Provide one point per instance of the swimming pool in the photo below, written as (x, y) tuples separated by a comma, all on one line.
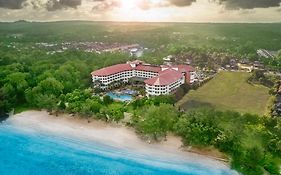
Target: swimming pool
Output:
[(120, 97)]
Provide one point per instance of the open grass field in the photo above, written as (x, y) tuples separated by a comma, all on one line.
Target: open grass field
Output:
[(228, 91)]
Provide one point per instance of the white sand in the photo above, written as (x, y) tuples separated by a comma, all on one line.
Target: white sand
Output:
[(108, 134)]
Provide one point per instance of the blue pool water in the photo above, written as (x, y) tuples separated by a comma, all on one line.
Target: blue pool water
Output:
[(36, 153), (120, 97)]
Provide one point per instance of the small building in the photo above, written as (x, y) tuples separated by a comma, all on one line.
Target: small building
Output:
[(169, 60), (258, 66), (278, 108), (188, 61), (245, 67), (266, 54)]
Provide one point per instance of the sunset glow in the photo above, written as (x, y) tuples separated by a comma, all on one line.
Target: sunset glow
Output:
[(143, 10), (128, 5)]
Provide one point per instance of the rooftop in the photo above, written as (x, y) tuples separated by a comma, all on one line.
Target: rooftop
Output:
[(167, 74), (166, 77), (149, 68), (112, 69), (126, 67)]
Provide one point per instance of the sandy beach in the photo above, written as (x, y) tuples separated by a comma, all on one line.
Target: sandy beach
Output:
[(109, 134)]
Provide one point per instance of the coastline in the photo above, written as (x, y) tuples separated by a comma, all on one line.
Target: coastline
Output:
[(3, 117), (111, 134)]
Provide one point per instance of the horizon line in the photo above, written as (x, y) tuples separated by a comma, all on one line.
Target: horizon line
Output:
[(111, 21)]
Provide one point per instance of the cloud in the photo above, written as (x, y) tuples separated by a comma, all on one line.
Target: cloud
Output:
[(105, 5), (53, 5), (228, 4), (12, 4), (249, 4), (50, 5), (108, 5), (181, 3)]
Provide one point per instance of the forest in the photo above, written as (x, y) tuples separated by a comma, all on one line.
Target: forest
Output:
[(205, 41)]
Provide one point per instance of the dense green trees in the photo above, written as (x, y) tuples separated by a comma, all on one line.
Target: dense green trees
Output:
[(45, 94), (36, 79), (107, 100), (259, 77), (246, 138), (14, 86), (114, 111), (197, 131), (252, 142), (157, 120)]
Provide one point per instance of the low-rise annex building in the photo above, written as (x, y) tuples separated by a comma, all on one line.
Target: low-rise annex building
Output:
[(159, 80)]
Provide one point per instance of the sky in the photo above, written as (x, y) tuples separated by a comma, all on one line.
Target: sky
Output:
[(142, 10)]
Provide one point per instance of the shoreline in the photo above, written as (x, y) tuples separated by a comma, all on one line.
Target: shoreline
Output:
[(3, 117), (112, 134)]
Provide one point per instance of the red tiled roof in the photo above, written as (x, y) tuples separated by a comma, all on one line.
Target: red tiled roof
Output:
[(185, 68), (135, 62), (182, 68), (166, 77), (156, 69), (112, 69)]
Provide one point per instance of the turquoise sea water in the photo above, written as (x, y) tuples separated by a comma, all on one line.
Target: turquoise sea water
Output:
[(36, 153)]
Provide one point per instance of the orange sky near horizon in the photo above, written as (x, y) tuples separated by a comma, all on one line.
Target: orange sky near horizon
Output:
[(143, 11)]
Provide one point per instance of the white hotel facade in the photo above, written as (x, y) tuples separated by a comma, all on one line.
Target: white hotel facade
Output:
[(159, 80)]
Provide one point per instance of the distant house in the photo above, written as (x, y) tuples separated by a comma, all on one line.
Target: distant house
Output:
[(265, 53), (258, 66), (136, 52), (188, 61), (158, 80), (245, 67), (169, 59), (278, 108)]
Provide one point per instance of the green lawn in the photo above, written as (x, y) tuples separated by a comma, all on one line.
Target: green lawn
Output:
[(229, 91)]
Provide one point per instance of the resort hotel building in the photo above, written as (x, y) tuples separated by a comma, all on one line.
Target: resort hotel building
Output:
[(158, 80)]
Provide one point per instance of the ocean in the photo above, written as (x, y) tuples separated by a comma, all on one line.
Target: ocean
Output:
[(37, 152)]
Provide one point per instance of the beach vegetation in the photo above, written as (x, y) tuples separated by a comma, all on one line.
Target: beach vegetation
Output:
[(107, 100), (114, 111), (248, 139), (157, 121)]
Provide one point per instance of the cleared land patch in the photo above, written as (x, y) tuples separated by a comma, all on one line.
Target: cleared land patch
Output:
[(228, 91)]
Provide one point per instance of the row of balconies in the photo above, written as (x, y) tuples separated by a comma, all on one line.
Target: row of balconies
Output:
[(150, 90), (128, 75), (156, 90), (176, 84), (156, 93)]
